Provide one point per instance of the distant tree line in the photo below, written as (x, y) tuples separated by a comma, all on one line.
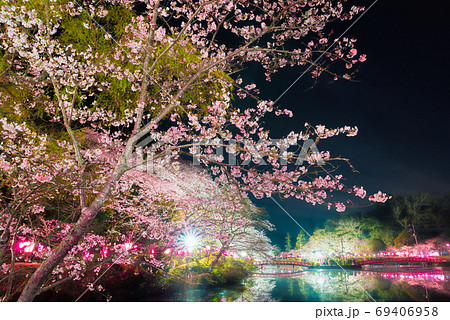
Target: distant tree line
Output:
[(404, 220)]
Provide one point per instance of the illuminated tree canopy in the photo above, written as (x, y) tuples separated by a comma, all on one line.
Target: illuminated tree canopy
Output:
[(84, 84)]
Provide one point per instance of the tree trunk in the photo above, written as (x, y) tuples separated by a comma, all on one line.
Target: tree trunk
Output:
[(41, 275), (4, 240), (216, 260)]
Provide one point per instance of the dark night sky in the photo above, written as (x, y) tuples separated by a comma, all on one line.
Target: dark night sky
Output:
[(400, 105)]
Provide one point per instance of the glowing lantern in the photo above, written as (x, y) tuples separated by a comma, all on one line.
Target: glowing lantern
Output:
[(104, 252), (29, 248), (26, 246), (167, 251)]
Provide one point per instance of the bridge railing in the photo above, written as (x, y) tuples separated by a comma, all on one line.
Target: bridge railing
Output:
[(356, 261), (396, 260)]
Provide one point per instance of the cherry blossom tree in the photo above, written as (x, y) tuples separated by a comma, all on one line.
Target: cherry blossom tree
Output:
[(227, 221), (168, 72), (138, 213), (145, 215), (235, 226)]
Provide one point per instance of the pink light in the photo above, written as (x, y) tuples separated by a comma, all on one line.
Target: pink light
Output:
[(152, 251), (104, 252), (87, 255), (29, 249), (26, 246)]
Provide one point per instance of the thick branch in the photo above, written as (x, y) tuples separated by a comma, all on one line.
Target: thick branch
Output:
[(146, 72)]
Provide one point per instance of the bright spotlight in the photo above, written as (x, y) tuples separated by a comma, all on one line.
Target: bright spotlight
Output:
[(190, 240)]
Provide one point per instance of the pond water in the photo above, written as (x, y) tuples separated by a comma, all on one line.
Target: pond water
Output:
[(382, 285)]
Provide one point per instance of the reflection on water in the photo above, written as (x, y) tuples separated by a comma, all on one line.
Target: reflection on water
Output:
[(353, 285), (260, 290), (383, 285)]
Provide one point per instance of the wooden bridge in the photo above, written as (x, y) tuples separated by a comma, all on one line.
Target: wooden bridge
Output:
[(282, 262), (397, 260)]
